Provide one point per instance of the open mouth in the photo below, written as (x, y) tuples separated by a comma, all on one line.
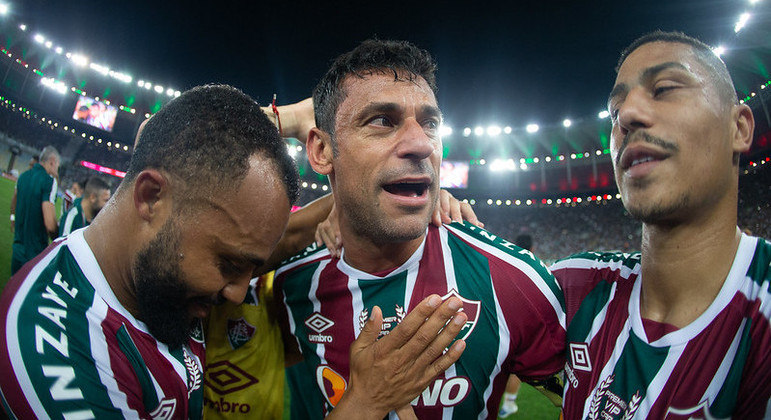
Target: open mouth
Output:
[(634, 158), (407, 189)]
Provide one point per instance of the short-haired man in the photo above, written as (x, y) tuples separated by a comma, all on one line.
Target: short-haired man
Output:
[(377, 140), (106, 322), (680, 330), (84, 208), (34, 214)]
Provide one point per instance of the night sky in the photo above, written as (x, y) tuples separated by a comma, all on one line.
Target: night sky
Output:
[(508, 63)]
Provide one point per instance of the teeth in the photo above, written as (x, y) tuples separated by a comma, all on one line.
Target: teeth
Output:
[(641, 160)]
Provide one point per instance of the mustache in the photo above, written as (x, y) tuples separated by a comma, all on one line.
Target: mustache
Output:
[(416, 168), (644, 137)]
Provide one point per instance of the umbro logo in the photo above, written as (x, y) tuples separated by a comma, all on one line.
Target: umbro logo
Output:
[(579, 355), (319, 323)]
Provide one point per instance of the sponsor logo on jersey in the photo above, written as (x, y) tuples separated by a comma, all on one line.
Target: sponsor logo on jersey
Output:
[(225, 377), (471, 308), (239, 332), (319, 323), (579, 356), (444, 392), (165, 409), (614, 406), (700, 411), (389, 322), (331, 383)]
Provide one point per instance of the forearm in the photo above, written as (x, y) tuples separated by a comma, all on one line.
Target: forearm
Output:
[(296, 119)]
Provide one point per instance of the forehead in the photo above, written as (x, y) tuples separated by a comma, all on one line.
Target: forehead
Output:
[(384, 87), (656, 53)]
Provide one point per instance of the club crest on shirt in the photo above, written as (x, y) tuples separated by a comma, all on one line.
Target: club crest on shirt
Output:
[(196, 332), (165, 409), (239, 332), (700, 411), (471, 308)]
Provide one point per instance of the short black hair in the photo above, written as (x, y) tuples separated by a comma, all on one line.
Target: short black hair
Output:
[(704, 53), (94, 185), (370, 57), (205, 138)]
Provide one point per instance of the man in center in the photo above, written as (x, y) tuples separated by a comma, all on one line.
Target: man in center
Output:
[(377, 139)]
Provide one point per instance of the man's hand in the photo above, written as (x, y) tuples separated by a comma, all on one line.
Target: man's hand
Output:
[(451, 210), (387, 374), (328, 233)]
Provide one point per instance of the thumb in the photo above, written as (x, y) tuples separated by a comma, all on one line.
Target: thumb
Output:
[(371, 329)]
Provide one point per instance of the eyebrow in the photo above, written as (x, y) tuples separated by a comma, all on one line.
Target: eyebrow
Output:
[(647, 74), (391, 107), (254, 259)]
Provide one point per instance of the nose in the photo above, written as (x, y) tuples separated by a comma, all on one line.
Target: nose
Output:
[(235, 291), (414, 142), (635, 112)]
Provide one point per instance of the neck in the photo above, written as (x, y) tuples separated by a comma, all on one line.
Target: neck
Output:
[(107, 238), (371, 257), (684, 265)]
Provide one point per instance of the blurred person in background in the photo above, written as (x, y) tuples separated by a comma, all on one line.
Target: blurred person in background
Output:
[(84, 208), (33, 209)]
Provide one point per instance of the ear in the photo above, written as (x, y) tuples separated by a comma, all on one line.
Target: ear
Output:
[(744, 128), (152, 196), (319, 149)]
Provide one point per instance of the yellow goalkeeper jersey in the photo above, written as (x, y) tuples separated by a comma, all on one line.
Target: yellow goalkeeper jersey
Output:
[(244, 375)]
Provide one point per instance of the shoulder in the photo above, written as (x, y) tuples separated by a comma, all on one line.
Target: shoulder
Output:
[(622, 261), (309, 255)]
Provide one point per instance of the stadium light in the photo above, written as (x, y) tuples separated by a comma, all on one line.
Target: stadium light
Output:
[(49, 44), (532, 128), (466, 131), (170, 92), (603, 114), (493, 130), (23, 27), (59, 50), (39, 38), (719, 50), (177, 93), (158, 88), (507, 130), (141, 83), (567, 123), (445, 130), (743, 18), (3, 9), (478, 131), (79, 60)]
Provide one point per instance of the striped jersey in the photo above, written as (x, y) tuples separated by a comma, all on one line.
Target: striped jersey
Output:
[(73, 219), (514, 306), (621, 366), (69, 349)]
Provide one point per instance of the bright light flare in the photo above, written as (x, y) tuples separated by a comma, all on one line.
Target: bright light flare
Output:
[(567, 123), (445, 130), (743, 18), (3, 9), (158, 88), (466, 131), (603, 114), (507, 130), (478, 131), (532, 128), (493, 130), (79, 60), (40, 38), (719, 50)]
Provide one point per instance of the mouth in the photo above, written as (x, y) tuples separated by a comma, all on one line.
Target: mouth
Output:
[(640, 156), (417, 188)]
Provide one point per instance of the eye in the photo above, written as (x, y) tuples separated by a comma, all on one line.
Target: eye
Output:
[(228, 268), (381, 120), (661, 89), (431, 126)]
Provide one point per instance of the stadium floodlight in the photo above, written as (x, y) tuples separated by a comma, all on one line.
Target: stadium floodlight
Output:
[(59, 50), (104, 70), (466, 131), (493, 130), (478, 131), (291, 150), (78, 59), (39, 38), (141, 83), (547, 158), (507, 130), (532, 128), (170, 92), (49, 44), (567, 123), (719, 50), (3, 9), (23, 27), (603, 114), (535, 160), (743, 18), (125, 148), (177, 93), (158, 88), (482, 161), (445, 130)]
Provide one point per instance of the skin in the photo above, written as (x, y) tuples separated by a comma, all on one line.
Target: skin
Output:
[(94, 203), (223, 237), (386, 131), (664, 106), (49, 211)]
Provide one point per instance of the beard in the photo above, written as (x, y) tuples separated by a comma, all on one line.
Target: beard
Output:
[(660, 212), (161, 292)]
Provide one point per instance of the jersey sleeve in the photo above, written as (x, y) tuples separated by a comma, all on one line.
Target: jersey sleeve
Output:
[(50, 188)]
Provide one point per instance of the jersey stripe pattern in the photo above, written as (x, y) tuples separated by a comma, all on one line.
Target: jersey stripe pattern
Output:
[(69, 349), (515, 324), (719, 366)]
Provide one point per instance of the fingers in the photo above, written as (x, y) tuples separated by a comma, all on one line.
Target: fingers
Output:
[(427, 333), (370, 331), (445, 361), (411, 323), (441, 341), (445, 199), (455, 210), (467, 213), (327, 235)]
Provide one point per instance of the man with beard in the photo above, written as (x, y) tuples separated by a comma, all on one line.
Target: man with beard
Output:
[(377, 139), (681, 329), (84, 208), (106, 322)]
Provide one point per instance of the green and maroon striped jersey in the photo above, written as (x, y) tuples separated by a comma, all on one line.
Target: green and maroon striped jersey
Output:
[(514, 306), (621, 366), (69, 349)]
